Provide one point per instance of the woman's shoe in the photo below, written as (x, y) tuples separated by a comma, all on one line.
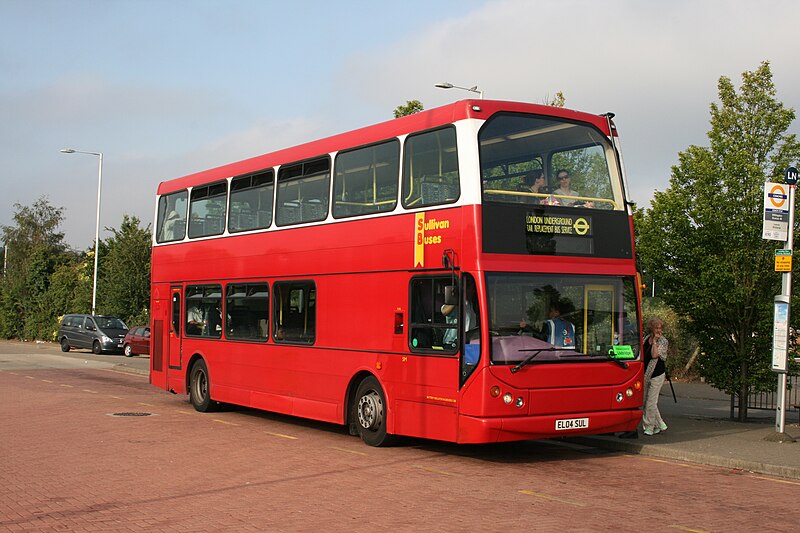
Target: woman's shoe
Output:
[(662, 426)]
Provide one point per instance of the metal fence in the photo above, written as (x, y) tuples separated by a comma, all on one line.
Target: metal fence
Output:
[(768, 400)]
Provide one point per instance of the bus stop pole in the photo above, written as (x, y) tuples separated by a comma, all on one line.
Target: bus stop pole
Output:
[(786, 293)]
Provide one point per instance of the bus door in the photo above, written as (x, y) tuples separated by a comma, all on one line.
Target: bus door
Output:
[(598, 319), (174, 344), (438, 328)]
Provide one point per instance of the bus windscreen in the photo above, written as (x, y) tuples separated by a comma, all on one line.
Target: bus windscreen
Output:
[(564, 316)]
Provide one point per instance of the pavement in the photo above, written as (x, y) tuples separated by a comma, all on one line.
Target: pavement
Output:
[(700, 429)]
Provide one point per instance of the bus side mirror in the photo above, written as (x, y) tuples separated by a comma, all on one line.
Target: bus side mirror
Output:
[(450, 295)]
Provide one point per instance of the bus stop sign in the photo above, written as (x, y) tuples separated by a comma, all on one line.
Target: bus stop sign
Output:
[(776, 211), (783, 260)]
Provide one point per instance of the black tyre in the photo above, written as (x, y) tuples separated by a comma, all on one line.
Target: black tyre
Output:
[(199, 388), (96, 348), (128, 351), (64, 345), (370, 413)]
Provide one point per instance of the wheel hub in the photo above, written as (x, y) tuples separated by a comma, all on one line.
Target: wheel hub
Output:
[(201, 385), (370, 410)]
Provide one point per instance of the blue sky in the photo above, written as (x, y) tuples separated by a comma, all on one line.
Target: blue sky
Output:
[(167, 88)]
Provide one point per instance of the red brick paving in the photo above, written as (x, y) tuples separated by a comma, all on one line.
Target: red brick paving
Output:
[(66, 464)]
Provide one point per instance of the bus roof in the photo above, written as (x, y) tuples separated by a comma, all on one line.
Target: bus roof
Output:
[(432, 118)]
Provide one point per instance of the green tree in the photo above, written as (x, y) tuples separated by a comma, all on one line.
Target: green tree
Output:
[(70, 289), (124, 282), (410, 107), (38, 316), (701, 238), (683, 348), (558, 100), (35, 249)]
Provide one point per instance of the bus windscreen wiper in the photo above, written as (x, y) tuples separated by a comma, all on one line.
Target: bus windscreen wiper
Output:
[(620, 362), (530, 358)]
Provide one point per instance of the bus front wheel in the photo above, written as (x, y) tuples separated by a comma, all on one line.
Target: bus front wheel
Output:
[(370, 413), (199, 388)]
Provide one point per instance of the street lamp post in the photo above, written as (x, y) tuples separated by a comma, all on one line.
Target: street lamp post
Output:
[(447, 85), (97, 220)]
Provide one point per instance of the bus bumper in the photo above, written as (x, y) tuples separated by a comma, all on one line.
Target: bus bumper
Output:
[(473, 430)]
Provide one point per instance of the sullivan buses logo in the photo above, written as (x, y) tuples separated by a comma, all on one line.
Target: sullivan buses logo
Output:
[(426, 232)]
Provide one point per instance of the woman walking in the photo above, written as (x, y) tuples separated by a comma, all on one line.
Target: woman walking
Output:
[(654, 356)]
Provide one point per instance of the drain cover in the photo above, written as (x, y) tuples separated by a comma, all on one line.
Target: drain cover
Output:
[(131, 414)]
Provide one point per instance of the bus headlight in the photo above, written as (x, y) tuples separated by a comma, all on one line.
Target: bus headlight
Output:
[(520, 402), (620, 397), (508, 398), (629, 392)]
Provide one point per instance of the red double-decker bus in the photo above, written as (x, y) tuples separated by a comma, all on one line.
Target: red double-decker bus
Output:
[(465, 274)]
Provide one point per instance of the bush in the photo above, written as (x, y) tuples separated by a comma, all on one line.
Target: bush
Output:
[(682, 345)]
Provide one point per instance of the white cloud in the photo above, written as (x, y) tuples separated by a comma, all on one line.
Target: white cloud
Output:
[(131, 181), (97, 100), (655, 65), (165, 143)]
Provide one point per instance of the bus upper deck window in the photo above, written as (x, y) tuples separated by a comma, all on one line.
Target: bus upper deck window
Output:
[(171, 222), (430, 169)]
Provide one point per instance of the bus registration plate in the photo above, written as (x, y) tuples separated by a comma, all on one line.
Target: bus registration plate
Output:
[(572, 423)]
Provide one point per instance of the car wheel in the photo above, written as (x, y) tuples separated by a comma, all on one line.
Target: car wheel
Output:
[(199, 384), (370, 413), (96, 348), (128, 350), (64, 345)]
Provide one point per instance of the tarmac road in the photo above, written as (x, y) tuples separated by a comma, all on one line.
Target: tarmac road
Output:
[(49, 355)]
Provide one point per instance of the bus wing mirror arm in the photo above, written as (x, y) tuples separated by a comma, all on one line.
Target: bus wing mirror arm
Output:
[(450, 291)]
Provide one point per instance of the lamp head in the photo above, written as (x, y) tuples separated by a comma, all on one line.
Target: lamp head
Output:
[(67, 151), (444, 85)]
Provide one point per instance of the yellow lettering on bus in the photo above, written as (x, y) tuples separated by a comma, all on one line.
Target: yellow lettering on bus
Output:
[(419, 241)]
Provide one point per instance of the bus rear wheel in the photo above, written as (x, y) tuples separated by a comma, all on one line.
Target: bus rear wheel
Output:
[(370, 413), (199, 388)]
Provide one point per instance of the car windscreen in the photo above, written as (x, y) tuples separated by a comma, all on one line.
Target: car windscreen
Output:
[(110, 322)]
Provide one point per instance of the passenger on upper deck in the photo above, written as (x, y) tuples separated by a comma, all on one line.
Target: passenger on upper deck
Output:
[(170, 229), (533, 182), (565, 190)]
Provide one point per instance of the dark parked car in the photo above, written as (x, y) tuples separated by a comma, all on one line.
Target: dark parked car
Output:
[(137, 341), (101, 334)]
